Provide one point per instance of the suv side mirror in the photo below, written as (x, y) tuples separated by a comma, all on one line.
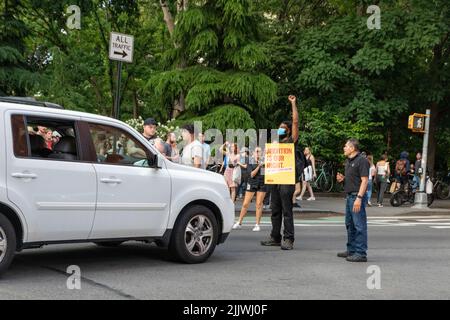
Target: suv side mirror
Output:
[(153, 161)]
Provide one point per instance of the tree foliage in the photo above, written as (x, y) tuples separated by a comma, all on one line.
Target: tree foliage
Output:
[(232, 63)]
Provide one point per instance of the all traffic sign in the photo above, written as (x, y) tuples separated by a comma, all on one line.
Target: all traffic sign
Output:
[(121, 47)]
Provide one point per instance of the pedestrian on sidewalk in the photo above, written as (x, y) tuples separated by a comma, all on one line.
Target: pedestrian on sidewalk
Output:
[(355, 180), (172, 142), (255, 185), (232, 177), (383, 173), (245, 171), (206, 151), (372, 173), (309, 175), (282, 194), (192, 151)]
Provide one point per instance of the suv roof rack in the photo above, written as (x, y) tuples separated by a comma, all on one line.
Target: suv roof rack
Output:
[(31, 101)]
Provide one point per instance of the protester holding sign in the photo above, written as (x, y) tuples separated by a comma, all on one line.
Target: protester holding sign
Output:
[(282, 193)]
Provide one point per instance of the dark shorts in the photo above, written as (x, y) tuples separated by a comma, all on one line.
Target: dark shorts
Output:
[(256, 186)]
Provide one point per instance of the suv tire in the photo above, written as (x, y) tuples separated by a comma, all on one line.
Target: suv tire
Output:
[(7, 243), (194, 236)]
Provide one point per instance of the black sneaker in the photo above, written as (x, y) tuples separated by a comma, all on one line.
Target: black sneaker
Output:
[(296, 205), (344, 254), (271, 243), (356, 258), (287, 245)]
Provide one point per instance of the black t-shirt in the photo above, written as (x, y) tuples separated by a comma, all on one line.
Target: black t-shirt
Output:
[(299, 157), (245, 173), (259, 177), (355, 168), (151, 137)]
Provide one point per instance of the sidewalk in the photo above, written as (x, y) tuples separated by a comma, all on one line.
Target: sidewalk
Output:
[(333, 205)]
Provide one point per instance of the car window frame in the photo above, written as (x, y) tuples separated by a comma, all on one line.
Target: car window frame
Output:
[(86, 126), (81, 152)]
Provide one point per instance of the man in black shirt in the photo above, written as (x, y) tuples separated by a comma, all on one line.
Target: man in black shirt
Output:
[(356, 181), (282, 194)]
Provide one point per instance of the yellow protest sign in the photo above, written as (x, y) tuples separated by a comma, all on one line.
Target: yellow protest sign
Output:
[(279, 163)]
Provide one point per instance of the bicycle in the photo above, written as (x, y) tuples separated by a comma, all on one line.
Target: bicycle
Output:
[(405, 192), (442, 187), (325, 180)]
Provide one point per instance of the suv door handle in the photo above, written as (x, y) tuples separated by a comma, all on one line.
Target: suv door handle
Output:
[(24, 175), (110, 180)]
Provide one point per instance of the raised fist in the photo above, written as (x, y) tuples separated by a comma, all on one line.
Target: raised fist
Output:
[(292, 98)]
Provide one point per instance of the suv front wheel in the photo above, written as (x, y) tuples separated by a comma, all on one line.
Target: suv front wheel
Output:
[(7, 243), (195, 235)]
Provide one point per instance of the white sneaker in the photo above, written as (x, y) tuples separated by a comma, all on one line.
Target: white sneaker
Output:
[(299, 198), (256, 228), (237, 226), (311, 199)]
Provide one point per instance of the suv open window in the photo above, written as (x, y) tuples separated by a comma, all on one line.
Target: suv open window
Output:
[(36, 137), (115, 146)]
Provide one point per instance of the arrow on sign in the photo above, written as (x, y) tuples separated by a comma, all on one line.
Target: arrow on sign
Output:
[(123, 53)]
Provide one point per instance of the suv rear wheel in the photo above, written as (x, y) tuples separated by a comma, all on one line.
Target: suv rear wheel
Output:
[(7, 243), (195, 235)]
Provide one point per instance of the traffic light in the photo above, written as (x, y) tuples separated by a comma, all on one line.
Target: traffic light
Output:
[(416, 122)]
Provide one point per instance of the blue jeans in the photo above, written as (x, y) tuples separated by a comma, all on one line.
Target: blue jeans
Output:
[(242, 188), (369, 190), (356, 224)]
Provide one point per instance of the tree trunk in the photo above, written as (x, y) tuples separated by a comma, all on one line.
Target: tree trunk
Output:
[(435, 69), (135, 104), (360, 9), (182, 5), (389, 141), (168, 18)]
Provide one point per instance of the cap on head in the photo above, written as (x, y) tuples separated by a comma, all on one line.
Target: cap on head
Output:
[(150, 121)]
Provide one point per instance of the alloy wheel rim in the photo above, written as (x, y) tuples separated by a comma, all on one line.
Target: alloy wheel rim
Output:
[(198, 235), (3, 244)]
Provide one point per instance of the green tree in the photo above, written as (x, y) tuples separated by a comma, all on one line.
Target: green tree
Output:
[(219, 46), (17, 76)]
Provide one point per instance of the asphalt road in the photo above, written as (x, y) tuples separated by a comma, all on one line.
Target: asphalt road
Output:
[(413, 257)]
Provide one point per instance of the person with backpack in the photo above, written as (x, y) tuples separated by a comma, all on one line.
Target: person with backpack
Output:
[(282, 194), (402, 168)]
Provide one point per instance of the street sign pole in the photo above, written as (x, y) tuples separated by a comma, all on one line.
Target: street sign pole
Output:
[(421, 199), (117, 96), (121, 47)]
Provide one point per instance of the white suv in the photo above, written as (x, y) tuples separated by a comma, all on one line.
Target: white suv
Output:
[(95, 179)]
